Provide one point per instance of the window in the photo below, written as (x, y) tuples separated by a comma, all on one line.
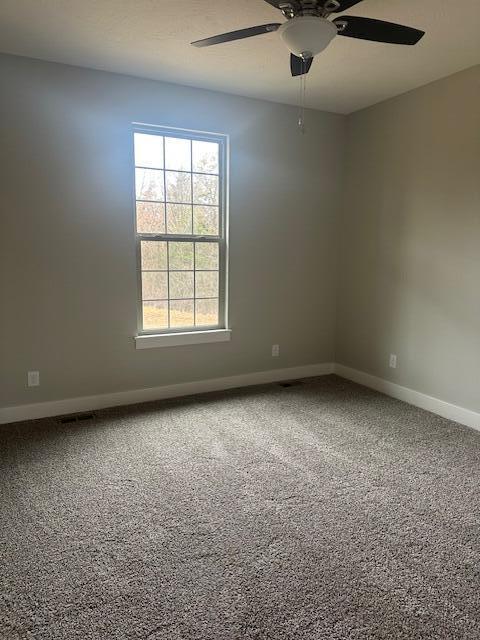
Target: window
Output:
[(181, 230)]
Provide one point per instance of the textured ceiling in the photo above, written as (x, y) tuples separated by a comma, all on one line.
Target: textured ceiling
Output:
[(150, 38)]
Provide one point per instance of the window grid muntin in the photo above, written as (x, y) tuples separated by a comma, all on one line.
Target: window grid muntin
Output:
[(194, 248), (168, 246), (220, 239), (200, 173)]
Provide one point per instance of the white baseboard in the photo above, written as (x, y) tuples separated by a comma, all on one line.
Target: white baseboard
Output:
[(90, 403), (440, 407)]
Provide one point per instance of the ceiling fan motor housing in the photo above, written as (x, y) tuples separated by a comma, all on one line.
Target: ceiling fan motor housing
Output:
[(305, 36)]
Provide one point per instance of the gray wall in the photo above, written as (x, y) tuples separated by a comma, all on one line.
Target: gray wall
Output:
[(67, 253), (409, 267), (408, 271)]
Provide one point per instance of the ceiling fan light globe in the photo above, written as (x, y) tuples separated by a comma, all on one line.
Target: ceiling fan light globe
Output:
[(305, 36)]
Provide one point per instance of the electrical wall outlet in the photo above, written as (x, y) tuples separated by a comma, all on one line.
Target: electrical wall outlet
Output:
[(393, 361), (275, 350), (33, 378)]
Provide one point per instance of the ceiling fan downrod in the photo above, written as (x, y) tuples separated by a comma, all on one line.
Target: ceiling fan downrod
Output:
[(309, 8)]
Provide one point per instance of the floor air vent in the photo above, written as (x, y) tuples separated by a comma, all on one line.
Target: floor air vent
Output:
[(80, 417), (289, 383)]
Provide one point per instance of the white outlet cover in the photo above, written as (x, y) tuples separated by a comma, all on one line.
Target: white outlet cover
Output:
[(275, 350), (393, 361), (33, 378)]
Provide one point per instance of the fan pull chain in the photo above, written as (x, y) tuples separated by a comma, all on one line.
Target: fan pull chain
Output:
[(303, 91)]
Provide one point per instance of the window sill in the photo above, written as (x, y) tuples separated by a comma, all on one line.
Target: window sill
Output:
[(178, 339)]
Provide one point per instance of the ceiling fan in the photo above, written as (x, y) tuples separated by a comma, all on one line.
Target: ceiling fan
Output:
[(308, 29)]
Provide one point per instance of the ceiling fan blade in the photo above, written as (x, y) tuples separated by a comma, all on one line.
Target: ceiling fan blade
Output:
[(345, 4), (298, 66), (377, 30), (237, 35)]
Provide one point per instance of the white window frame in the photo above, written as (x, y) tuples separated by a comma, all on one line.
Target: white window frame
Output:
[(148, 338)]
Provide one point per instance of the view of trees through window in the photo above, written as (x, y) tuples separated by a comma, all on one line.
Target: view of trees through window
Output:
[(177, 184)]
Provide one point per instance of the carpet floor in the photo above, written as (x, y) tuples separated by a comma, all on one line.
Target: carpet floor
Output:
[(321, 510)]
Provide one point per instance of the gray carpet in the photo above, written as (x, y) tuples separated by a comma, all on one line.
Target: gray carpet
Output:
[(318, 511)]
